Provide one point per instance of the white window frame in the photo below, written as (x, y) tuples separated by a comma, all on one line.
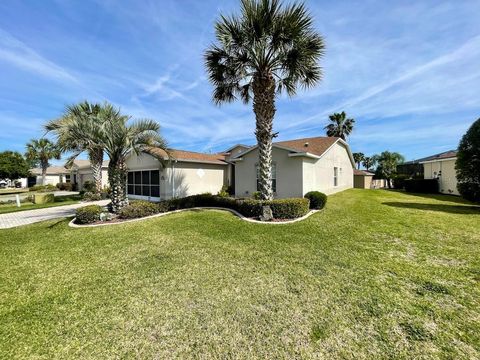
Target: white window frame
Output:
[(143, 197)]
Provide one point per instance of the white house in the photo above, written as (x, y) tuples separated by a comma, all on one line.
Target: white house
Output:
[(442, 167)]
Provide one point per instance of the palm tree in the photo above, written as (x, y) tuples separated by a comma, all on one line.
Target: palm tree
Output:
[(368, 162), (387, 165), (358, 158), (340, 126), (264, 51), (77, 131), (118, 139), (40, 152)]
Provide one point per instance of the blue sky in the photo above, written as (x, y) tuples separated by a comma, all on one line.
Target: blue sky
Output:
[(407, 71)]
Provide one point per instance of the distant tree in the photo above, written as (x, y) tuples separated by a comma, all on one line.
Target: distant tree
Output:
[(358, 158), (369, 162), (13, 165), (340, 126), (387, 165), (40, 152), (468, 163), (267, 49)]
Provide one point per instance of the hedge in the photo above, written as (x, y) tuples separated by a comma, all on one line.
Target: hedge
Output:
[(138, 209), (88, 214), (43, 188), (427, 186), (44, 198), (317, 199)]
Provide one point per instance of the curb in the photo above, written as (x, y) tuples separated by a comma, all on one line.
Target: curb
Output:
[(311, 212)]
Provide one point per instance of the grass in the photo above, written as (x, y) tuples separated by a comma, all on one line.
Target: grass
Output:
[(59, 201), (365, 278)]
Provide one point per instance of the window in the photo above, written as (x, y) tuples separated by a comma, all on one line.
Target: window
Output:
[(144, 183), (274, 177), (335, 176), (67, 178)]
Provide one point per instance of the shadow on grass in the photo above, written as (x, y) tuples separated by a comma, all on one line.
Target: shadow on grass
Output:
[(441, 197), (452, 209)]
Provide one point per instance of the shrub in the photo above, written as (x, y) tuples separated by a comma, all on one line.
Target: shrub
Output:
[(138, 209), (257, 195), (64, 186), (427, 186), (289, 208), (468, 163), (44, 198), (399, 181), (89, 186), (88, 214), (317, 199), (249, 207), (91, 196), (43, 188)]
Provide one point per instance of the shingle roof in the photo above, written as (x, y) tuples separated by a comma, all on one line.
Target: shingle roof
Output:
[(51, 170), (188, 156), (82, 164), (444, 155), (362, 172), (314, 145)]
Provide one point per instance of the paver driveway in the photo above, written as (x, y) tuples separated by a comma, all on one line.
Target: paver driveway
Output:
[(20, 218)]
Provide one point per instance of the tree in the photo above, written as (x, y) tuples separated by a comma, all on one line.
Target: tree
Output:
[(40, 152), (369, 161), (13, 165), (118, 139), (468, 163), (358, 158), (77, 131), (387, 165), (264, 51), (340, 126)]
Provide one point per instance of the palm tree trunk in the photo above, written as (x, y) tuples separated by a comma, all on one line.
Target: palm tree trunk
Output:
[(96, 161), (264, 109), (44, 171), (117, 176)]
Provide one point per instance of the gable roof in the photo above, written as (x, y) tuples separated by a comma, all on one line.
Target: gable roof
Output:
[(51, 170), (450, 154), (188, 156), (85, 164), (362, 172)]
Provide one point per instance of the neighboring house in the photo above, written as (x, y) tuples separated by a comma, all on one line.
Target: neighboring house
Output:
[(82, 172), (363, 179), (442, 167), (54, 175), (298, 166)]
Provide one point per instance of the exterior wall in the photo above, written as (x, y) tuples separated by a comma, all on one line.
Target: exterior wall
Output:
[(448, 178), (318, 174), (289, 174), (50, 179), (182, 178), (362, 182)]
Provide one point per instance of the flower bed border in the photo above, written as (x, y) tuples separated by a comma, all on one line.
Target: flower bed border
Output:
[(244, 218)]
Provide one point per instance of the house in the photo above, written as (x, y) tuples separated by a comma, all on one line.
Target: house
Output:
[(363, 179), (54, 175), (301, 165), (442, 167), (298, 166), (82, 172)]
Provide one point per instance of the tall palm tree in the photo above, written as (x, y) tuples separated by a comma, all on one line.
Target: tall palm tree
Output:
[(368, 162), (40, 152), (265, 50), (358, 158), (118, 139), (77, 131), (387, 165), (340, 125)]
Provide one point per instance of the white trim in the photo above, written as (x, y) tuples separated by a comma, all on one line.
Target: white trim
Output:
[(438, 160), (310, 213), (304, 154), (141, 197)]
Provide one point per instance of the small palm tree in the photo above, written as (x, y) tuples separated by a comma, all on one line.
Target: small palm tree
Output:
[(77, 131), (358, 158), (119, 139), (40, 152), (387, 165), (340, 126), (266, 50), (368, 162)]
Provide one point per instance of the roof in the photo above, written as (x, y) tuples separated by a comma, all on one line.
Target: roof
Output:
[(188, 156), (450, 154), (51, 170), (362, 172), (83, 164)]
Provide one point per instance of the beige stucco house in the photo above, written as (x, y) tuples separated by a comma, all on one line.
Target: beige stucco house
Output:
[(54, 175), (442, 167), (311, 164), (82, 171)]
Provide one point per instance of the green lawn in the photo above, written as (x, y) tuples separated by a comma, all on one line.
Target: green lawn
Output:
[(377, 274), (59, 200)]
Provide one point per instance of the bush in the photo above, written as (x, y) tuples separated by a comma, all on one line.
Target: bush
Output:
[(138, 209), (289, 208), (89, 186), (317, 199), (91, 196), (468, 164), (64, 186), (43, 188), (427, 186), (44, 198), (225, 191), (399, 181), (257, 195), (470, 191), (88, 214)]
